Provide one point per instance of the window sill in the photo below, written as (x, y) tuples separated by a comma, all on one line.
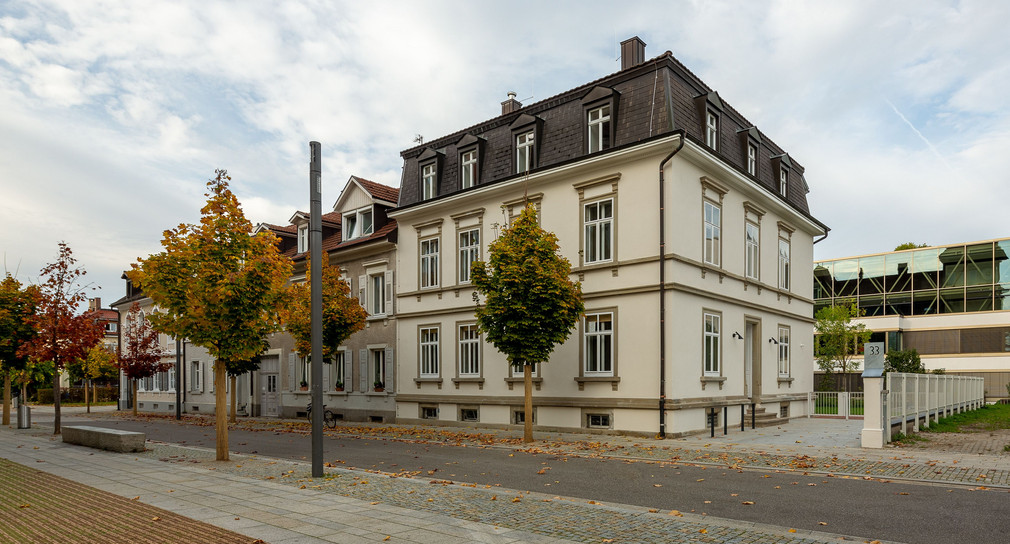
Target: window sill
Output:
[(612, 380), (419, 381), (706, 380), (537, 382), (478, 381), (786, 380)]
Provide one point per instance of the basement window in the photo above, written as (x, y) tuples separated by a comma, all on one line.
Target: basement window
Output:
[(598, 421)]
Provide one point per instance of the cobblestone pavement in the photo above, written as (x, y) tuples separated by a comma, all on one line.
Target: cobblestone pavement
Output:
[(277, 501)]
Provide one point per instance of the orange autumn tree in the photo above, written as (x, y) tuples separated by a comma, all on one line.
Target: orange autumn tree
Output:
[(63, 334), (217, 285), (141, 354), (342, 314)]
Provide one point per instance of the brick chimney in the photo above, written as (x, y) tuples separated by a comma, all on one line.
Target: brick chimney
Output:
[(632, 52), (94, 304), (511, 104)]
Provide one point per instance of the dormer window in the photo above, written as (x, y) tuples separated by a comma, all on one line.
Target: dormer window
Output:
[(712, 130), (752, 159), (783, 181), (468, 169), (428, 178), (358, 223), (524, 151), (599, 128), (303, 238)]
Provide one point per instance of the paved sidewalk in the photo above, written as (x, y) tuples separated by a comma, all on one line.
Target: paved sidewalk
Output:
[(278, 502)]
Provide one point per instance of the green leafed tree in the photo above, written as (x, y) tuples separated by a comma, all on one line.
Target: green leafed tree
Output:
[(63, 334), (530, 305), (909, 245), (342, 314), (838, 339), (99, 362), (219, 286), (904, 360), (17, 311)]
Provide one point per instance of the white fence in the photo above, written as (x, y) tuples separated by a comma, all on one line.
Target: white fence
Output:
[(835, 404), (925, 397)]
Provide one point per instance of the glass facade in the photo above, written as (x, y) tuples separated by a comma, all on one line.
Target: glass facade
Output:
[(941, 280)]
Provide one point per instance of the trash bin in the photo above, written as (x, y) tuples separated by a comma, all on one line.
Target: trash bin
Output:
[(24, 416)]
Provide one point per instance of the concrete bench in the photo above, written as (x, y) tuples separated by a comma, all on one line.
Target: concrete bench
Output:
[(106, 439)]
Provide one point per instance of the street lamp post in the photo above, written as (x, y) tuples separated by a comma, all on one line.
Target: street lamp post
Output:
[(316, 304)]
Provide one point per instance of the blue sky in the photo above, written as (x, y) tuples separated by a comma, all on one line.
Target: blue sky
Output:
[(113, 115)]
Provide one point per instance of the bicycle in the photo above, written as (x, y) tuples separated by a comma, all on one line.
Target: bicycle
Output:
[(329, 419)]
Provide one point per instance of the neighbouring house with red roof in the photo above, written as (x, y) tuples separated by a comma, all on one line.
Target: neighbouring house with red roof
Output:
[(359, 383)]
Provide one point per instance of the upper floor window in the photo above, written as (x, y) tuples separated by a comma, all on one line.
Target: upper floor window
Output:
[(712, 130), (713, 235), (428, 179), (303, 238), (429, 352), (752, 159), (783, 263), (468, 169), (469, 350), (752, 250), (358, 223), (469, 252), (524, 151), (783, 181), (599, 344), (377, 294), (598, 221), (429, 262), (599, 128)]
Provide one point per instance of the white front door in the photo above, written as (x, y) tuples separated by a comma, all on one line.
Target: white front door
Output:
[(269, 387)]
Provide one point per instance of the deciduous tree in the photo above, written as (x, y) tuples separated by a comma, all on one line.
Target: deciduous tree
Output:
[(219, 285), (99, 362), (63, 334), (141, 354), (342, 314), (530, 303), (17, 311), (904, 360), (838, 339)]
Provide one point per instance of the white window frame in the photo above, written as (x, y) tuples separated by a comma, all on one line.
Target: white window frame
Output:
[(429, 177), (713, 233), (752, 152), (195, 375), (468, 169), (784, 352), (525, 145), (338, 367), (784, 263), (599, 125), (376, 293), (428, 352), (598, 344), (377, 363), (428, 257), (783, 181), (752, 250), (712, 130), (712, 344), (306, 371), (355, 225), (303, 238), (598, 245), (469, 351), (469, 252)]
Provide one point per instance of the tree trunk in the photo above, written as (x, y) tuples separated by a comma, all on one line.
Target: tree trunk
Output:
[(133, 385), (528, 403), (87, 401), (7, 398), (234, 403), (56, 398), (221, 410)]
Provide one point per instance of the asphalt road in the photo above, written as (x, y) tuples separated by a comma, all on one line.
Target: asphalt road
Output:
[(897, 511)]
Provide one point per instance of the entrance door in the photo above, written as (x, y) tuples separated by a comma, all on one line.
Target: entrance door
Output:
[(748, 360), (269, 400)]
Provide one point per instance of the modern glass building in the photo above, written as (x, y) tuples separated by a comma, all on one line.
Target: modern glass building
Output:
[(950, 303), (937, 280)]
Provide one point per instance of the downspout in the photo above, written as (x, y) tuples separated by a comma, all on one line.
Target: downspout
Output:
[(662, 259), (821, 239)]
